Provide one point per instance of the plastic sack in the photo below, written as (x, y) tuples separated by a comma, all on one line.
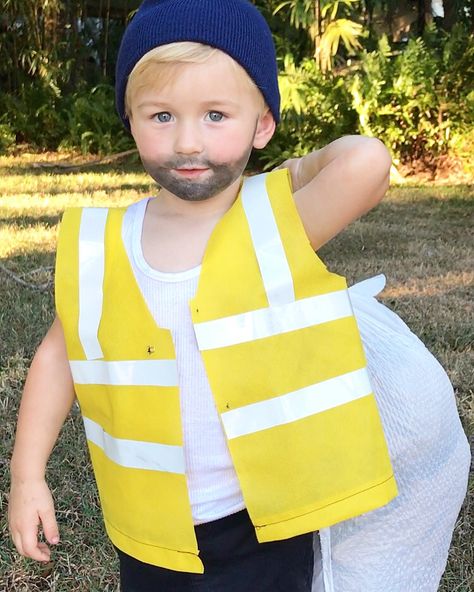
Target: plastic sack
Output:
[(403, 546)]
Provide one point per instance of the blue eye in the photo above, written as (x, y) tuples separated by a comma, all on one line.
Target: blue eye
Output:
[(163, 117), (216, 116)]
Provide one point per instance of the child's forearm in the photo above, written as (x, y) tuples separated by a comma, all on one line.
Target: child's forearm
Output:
[(46, 401), (337, 184), (47, 398), (310, 166)]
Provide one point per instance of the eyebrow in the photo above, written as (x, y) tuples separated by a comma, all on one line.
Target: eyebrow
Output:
[(152, 104), (210, 103), (221, 102)]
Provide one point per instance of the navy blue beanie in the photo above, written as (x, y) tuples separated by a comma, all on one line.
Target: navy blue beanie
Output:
[(235, 27)]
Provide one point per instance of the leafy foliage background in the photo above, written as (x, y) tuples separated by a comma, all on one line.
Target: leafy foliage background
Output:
[(340, 74)]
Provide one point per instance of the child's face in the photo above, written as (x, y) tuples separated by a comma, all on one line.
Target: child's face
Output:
[(196, 132)]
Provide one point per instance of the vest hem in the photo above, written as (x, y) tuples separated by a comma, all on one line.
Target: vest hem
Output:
[(350, 507), (184, 561)]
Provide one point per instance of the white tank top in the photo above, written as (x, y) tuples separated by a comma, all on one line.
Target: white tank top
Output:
[(212, 482)]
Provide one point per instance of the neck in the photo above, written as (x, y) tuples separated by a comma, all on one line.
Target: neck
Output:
[(169, 218), (168, 204)]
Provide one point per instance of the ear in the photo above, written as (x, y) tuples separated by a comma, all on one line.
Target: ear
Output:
[(265, 129)]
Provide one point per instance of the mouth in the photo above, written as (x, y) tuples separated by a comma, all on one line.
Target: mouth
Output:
[(190, 173)]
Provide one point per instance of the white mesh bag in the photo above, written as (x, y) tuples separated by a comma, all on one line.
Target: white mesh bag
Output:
[(403, 546)]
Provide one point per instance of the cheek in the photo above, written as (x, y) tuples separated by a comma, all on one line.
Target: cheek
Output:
[(149, 142), (230, 146)]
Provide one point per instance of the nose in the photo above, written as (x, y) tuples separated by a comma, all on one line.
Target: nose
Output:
[(188, 138)]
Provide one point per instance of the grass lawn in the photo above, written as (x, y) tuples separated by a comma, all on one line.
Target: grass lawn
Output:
[(420, 237)]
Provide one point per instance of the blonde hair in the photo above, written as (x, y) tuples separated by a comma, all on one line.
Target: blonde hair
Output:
[(156, 67)]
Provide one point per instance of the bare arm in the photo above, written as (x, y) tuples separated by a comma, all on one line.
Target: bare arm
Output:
[(47, 398), (337, 184)]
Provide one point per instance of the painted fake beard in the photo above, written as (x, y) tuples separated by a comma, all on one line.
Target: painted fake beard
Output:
[(221, 177)]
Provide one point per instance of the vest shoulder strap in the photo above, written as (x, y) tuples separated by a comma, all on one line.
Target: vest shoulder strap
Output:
[(79, 279)]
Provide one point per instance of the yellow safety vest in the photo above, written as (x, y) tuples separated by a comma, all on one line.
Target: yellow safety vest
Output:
[(285, 364)]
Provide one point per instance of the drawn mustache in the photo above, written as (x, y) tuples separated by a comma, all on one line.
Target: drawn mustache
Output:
[(186, 163)]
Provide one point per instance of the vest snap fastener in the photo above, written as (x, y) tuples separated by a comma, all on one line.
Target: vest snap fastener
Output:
[(151, 349)]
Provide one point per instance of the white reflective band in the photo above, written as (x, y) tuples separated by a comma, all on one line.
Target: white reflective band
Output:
[(265, 322), (134, 453), (296, 405), (135, 372), (269, 250), (91, 278)]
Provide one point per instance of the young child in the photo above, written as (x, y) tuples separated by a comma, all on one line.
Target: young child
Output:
[(217, 363)]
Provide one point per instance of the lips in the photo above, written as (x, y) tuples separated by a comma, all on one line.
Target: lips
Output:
[(190, 173)]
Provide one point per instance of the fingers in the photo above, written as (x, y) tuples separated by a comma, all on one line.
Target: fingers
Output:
[(31, 506), (50, 526), (25, 535), (17, 541), (27, 544), (36, 550)]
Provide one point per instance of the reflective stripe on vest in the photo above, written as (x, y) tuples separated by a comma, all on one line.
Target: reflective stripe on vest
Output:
[(265, 322), (296, 405), (91, 278), (276, 274), (135, 454), (126, 373)]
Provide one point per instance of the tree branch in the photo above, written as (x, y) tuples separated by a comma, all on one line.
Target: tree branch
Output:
[(16, 278), (97, 161)]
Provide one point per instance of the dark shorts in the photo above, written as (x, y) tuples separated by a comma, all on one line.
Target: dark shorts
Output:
[(234, 561)]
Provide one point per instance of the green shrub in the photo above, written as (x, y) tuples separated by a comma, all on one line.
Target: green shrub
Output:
[(93, 124), (462, 148), (418, 100), (34, 115), (7, 138), (414, 101), (316, 109), (85, 120)]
